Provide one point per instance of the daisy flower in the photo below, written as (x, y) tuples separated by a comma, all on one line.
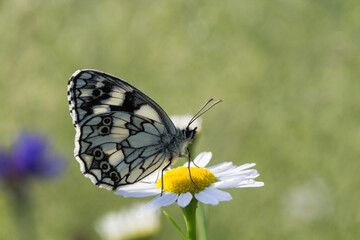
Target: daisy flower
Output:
[(178, 188), (133, 223)]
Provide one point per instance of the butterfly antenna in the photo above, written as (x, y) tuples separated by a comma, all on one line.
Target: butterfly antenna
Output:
[(192, 119), (200, 113)]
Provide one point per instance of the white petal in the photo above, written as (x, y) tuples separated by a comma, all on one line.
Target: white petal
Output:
[(139, 190), (184, 199), (235, 178), (146, 193), (221, 195), (226, 184), (206, 196), (250, 183), (213, 196), (201, 160), (221, 167), (238, 177), (246, 166), (250, 173), (228, 169), (138, 186), (228, 172), (162, 201)]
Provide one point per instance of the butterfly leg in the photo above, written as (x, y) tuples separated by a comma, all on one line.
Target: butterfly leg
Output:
[(190, 159), (189, 167), (162, 179)]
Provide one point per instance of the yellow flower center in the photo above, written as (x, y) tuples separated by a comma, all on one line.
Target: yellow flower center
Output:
[(178, 180)]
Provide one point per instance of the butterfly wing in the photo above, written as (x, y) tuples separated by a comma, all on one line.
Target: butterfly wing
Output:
[(119, 129)]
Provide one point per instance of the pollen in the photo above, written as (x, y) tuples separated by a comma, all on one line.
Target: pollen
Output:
[(178, 180)]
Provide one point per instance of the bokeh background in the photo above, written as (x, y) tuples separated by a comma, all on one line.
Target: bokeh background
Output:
[(288, 72)]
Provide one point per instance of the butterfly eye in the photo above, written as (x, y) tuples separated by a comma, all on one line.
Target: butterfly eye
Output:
[(105, 166), (189, 133), (104, 130), (107, 121), (98, 154)]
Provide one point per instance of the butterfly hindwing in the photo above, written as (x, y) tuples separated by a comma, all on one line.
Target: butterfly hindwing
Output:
[(125, 153), (119, 129)]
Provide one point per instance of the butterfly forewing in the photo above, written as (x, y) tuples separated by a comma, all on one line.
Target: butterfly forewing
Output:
[(119, 130), (93, 92)]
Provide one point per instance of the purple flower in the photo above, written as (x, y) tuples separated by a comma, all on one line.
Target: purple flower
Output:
[(29, 157)]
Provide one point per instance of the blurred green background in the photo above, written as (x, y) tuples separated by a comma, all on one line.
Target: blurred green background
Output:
[(289, 75)]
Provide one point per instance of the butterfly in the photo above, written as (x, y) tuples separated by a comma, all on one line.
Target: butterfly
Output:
[(122, 135)]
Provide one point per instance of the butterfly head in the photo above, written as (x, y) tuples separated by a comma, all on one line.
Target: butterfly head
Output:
[(188, 135)]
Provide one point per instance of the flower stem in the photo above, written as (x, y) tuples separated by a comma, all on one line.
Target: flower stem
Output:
[(190, 218)]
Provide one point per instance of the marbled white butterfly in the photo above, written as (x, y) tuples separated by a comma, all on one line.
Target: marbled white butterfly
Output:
[(122, 135)]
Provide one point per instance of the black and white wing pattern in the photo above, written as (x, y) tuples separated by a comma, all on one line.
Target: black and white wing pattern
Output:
[(122, 135)]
